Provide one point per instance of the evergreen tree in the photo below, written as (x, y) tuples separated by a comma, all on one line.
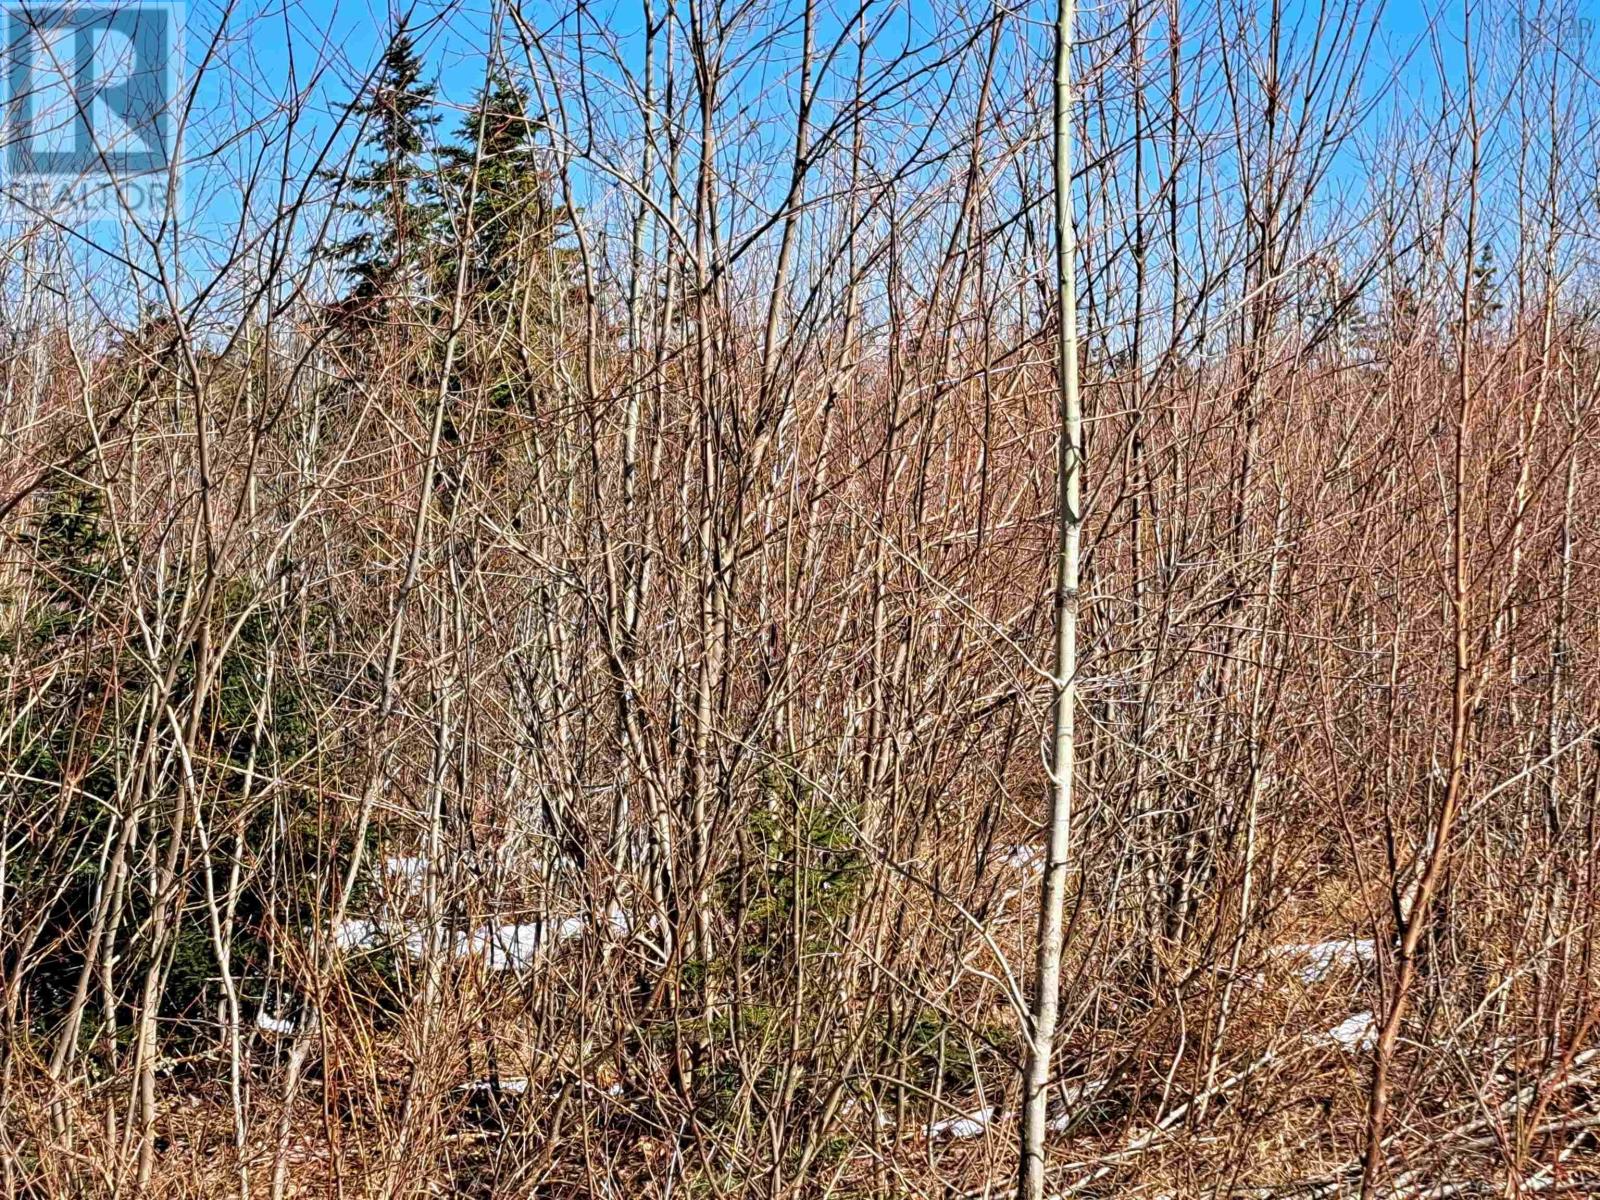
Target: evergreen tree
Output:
[(389, 191), (1485, 287), (512, 210)]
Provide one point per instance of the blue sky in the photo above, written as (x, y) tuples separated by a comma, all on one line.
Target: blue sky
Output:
[(260, 62)]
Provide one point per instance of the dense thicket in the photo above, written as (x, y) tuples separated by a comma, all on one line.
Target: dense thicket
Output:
[(531, 676)]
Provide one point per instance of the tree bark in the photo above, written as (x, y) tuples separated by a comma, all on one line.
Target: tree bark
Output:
[(1052, 900)]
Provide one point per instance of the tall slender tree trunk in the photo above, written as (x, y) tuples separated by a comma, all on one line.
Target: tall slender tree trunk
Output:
[(1069, 461)]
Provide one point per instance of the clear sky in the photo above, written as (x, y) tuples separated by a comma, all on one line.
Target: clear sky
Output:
[(270, 80)]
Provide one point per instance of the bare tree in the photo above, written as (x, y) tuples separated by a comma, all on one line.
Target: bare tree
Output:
[(1069, 521)]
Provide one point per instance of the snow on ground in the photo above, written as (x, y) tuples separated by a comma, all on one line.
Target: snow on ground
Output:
[(355, 933), (1318, 960), (970, 1125), (1021, 857), (514, 947), (506, 947), (268, 1023), (406, 870), (1355, 1033)]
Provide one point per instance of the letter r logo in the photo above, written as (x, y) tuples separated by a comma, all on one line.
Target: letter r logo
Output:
[(89, 89)]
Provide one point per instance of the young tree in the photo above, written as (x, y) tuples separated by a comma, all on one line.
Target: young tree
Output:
[(1069, 519), (387, 193), (513, 219)]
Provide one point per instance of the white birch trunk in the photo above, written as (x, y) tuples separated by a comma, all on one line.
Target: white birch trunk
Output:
[(1053, 891)]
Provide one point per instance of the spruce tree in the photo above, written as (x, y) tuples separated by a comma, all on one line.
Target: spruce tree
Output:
[(396, 211), (513, 220)]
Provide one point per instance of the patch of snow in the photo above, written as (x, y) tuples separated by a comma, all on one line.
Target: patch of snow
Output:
[(1021, 857), (417, 940), (510, 947), (1072, 1094), (569, 927), (270, 1024), (487, 1085), (355, 933), (1354, 1033), (408, 870), (507, 947), (969, 1126), (1318, 960)]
